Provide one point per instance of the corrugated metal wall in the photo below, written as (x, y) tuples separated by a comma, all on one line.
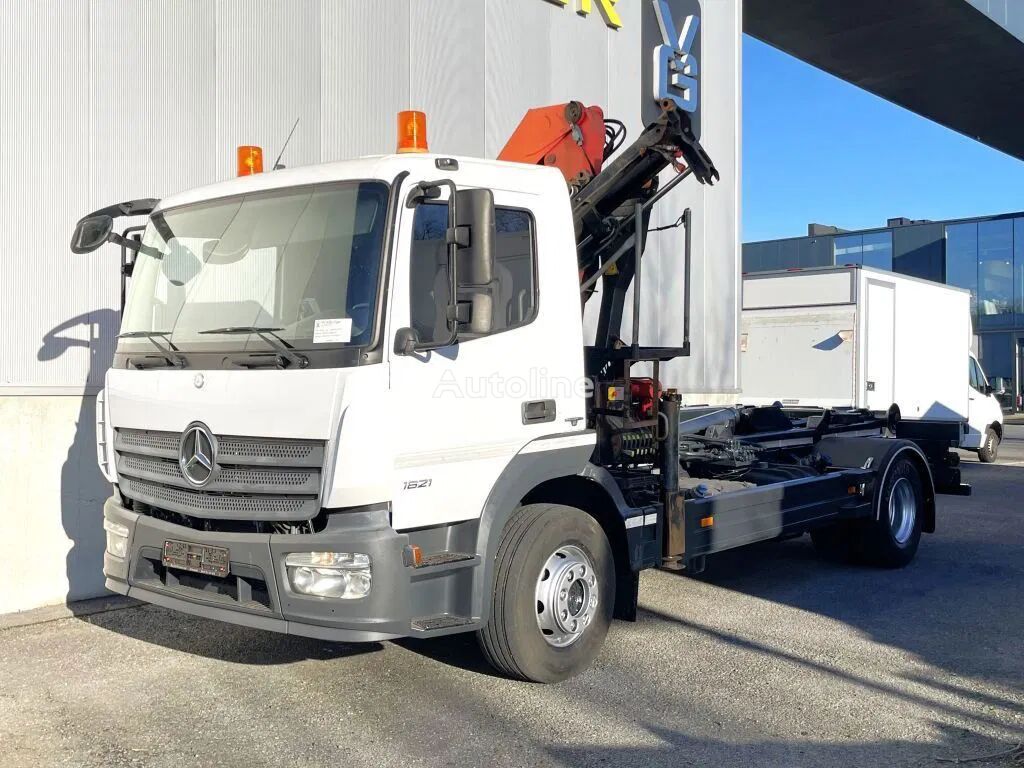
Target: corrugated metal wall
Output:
[(107, 100)]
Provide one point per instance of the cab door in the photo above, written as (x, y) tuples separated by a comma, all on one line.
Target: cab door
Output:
[(464, 411)]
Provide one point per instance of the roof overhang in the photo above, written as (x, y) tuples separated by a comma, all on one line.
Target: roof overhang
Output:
[(943, 59)]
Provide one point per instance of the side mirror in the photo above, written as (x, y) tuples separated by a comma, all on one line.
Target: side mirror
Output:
[(406, 341), (474, 211), (996, 387), (90, 233)]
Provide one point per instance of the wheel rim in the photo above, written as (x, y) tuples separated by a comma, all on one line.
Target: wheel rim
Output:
[(902, 510), (567, 596)]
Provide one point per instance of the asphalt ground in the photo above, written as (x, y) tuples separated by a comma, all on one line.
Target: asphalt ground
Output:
[(771, 658)]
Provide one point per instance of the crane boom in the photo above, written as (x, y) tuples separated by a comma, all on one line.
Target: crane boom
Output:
[(605, 198)]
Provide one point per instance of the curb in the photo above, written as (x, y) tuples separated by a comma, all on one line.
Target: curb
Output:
[(76, 609)]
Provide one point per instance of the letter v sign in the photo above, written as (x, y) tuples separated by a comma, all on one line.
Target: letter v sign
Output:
[(676, 70)]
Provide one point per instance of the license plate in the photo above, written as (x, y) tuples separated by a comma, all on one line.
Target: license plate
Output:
[(198, 558)]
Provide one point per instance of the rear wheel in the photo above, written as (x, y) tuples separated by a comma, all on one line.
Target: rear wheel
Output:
[(891, 541), (554, 592), (990, 448)]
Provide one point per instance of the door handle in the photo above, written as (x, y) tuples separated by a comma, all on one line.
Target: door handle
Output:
[(538, 411)]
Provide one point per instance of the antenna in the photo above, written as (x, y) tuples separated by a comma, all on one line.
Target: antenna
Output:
[(277, 163)]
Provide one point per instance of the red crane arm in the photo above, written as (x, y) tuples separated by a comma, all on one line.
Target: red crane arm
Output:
[(569, 137)]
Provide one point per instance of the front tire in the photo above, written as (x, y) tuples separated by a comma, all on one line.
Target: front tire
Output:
[(989, 451), (554, 592)]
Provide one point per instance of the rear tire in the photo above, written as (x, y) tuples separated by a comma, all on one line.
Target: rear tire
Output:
[(891, 541), (554, 592), (989, 451)]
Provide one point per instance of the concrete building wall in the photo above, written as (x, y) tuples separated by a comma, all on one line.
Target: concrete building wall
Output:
[(109, 100)]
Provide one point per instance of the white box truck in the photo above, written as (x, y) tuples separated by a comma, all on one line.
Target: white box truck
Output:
[(857, 337)]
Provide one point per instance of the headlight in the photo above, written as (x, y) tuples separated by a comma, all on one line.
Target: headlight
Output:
[(117, 538), (341, 575)]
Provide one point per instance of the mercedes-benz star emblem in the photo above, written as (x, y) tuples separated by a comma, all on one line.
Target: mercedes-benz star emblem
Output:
[(197, 454), (199, 380)]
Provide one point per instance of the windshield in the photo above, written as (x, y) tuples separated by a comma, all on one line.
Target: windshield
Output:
[(303, 263)]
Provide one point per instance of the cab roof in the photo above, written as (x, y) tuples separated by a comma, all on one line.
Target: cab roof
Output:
[(496, 174)]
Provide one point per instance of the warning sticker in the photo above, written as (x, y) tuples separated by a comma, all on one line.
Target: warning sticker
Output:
[(334, 331)]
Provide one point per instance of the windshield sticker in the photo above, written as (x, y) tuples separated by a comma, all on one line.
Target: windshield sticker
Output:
[(334, 331)]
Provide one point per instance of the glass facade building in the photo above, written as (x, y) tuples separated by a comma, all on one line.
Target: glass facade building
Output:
[(983, 255)]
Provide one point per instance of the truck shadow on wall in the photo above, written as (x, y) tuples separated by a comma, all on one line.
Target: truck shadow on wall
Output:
[(83, 488)]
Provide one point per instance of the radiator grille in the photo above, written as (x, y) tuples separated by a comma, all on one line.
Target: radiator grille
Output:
[(251, 449), (156, 441), (229, 478), (217, 505), (230, 449), (254, 479)]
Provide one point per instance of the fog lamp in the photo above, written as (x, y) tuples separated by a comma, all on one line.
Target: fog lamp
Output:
[(341, 575), (117, 538)]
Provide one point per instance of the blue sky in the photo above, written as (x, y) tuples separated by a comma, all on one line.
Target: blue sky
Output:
[(818, 149)]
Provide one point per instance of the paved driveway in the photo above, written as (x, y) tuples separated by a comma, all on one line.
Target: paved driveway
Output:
[(772, 657)]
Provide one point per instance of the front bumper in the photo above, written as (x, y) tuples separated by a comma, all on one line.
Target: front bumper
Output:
[(256, 593)]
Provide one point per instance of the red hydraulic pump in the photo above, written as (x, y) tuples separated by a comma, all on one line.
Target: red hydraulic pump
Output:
[(569, 137)]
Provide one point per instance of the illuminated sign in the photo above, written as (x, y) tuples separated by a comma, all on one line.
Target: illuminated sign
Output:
[(675, 74), (671, 36), (586, 7), (675, 65)]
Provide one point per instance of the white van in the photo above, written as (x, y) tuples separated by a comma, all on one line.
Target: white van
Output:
[(857, 337), (985, 415)]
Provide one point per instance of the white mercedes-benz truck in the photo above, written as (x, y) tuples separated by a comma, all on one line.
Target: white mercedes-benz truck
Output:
[(353, 402)]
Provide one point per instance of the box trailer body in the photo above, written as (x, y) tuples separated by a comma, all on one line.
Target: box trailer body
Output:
[(855, 337), (858, 337)]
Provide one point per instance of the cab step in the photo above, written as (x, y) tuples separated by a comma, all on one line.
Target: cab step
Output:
[(442, 624), (445, 558), (438, 562)]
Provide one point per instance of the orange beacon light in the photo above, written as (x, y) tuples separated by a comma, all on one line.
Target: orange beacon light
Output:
[(412, 131), (250, 160)]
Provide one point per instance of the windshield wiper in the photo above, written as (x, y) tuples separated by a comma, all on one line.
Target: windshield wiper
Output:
[(270, 336), (169, 353), (150, 361)]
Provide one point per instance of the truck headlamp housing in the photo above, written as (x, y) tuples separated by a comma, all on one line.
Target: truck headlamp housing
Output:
[(117, 538), (339, 575)]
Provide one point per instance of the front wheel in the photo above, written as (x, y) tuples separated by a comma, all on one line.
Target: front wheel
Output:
[(989, 451), (554, 591)]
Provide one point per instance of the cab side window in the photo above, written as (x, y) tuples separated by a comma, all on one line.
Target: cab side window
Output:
[(977, 377), (515, 272)]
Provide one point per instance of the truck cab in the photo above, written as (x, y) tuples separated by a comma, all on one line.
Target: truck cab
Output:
[(286, 356), (985, 414)]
